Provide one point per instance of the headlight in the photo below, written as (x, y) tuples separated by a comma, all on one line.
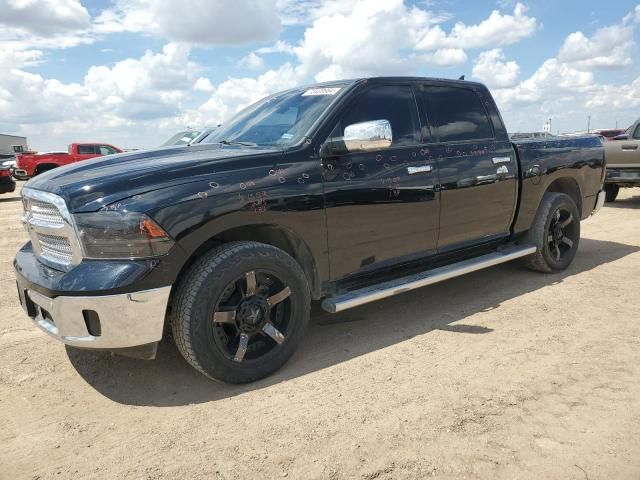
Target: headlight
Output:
[(105, 235)]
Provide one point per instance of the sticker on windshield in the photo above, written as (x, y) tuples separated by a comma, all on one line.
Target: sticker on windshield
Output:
[(321, 91), (287, 136)]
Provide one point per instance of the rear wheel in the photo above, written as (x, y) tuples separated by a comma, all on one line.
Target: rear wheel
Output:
[(241, 311), (611, 191), (555, 232)]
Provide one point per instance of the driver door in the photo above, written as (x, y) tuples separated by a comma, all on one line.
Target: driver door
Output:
[(381, 204)]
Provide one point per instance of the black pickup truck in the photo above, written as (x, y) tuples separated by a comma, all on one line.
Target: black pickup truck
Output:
[(345, 192)]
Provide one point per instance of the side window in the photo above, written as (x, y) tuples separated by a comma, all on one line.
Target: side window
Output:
[(456, 114), (636, 133), (106, 150), (394, 103), (86, 149)]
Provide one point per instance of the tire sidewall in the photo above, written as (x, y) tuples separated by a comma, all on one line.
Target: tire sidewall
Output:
[(264, 258), (560, 201)]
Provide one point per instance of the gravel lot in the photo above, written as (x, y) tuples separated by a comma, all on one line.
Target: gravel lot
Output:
[(503, 373)]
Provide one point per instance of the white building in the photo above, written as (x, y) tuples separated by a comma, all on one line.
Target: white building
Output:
[(8, 142)]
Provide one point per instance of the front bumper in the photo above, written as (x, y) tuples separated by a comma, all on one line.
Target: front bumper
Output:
[(623, 175), (99, 322)]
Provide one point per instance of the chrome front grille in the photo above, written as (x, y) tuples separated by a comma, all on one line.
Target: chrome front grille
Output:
[(45, 213), (50, 227), (56, 248)]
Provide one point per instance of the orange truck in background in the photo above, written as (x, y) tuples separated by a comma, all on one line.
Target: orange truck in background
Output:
[(31, 164)]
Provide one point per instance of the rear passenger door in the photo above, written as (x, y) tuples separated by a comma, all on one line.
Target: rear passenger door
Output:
[(477, 168)]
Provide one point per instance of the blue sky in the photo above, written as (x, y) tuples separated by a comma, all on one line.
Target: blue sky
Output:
[(130, 72)]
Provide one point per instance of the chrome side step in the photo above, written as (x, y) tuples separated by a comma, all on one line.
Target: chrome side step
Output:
[(356, 298)]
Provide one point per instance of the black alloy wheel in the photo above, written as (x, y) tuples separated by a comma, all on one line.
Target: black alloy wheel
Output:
[(555, 232), (252, 317), (240, 311), (562, 233)]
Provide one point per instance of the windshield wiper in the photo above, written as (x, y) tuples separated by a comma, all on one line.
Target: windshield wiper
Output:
[(236, 142)]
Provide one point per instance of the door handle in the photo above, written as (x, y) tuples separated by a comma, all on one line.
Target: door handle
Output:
[(499, 160), (629, 147), (420, 169)]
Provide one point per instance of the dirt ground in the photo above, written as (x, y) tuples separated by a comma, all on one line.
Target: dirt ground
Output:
[(503, 373)]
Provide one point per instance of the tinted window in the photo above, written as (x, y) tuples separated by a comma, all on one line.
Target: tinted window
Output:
[(636, 133), (456, 114), (393, 103), (86, 149)]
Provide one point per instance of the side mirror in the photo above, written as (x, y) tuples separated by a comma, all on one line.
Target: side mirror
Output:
[(621, 137), (360, 137)]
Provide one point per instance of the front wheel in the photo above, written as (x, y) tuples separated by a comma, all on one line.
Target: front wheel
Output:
[(240, 311), (555, 232)]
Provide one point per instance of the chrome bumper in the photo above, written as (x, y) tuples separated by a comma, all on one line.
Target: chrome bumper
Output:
[(599, 202), (126, 320)]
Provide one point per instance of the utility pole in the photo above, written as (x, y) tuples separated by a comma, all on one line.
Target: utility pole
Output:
[(589, 124)]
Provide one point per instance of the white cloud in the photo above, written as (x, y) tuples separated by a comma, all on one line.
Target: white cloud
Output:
[(144, 92), (252, 62), (497, 30), (610, 47), (552, 79), (368, 40), (446, 57), (43, 24), (44, 18), (615, 97), (236, 93), (278, 47), (202, 22), (492, 68)]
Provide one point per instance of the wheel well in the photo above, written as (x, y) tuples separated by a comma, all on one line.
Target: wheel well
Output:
[(43, 167), (569, 187), (271, 235)]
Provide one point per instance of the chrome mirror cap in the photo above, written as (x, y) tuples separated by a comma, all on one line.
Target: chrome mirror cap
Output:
[(365, 136)]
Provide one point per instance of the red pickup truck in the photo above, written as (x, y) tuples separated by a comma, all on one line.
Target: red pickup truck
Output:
[(32, 164)]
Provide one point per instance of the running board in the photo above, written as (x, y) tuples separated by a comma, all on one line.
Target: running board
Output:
[(356, 298)]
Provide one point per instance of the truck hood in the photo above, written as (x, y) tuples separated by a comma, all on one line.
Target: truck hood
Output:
[(92, 184)]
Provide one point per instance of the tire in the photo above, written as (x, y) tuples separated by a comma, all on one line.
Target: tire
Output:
[(43, 169), (611, 192), (209, 328), (554, 253)]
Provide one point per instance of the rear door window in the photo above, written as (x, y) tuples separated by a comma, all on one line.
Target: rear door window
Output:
[(456, 114), (86, 149)]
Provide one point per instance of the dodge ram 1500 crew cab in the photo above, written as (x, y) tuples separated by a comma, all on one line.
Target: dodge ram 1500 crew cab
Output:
[(345, 192)]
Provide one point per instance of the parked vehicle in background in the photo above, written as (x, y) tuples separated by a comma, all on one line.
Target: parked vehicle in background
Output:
[(188, 137), (7, 183), (349, 192), (31, 164), (609, 133), (202, 136), (184, 137), (623, 161)]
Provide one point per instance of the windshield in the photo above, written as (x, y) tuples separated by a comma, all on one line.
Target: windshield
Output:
[(181, 138), (282, 119)]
